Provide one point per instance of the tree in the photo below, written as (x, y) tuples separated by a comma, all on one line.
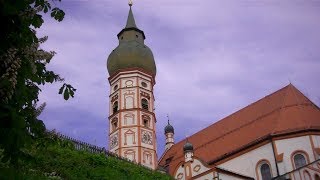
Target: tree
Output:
[(22, 70)]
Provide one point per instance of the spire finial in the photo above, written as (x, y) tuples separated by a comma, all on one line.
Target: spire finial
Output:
[(168, 118), (130, 21)]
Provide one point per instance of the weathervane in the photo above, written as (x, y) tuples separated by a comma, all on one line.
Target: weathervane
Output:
[(130, 3)]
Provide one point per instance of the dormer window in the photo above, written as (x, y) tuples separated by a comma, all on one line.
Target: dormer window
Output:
[(115, 107), (145, 104)]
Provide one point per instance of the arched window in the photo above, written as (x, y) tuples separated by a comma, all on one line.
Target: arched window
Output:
[(145, 104), (299, 160), (265, 172), (114, 123), (146, 121), (115, 107)]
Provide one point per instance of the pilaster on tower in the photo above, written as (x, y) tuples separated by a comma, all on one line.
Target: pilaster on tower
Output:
[(132, 122)]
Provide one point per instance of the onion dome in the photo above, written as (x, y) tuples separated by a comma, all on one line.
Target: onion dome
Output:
[(188, 147), (131, 51), (168, 128)]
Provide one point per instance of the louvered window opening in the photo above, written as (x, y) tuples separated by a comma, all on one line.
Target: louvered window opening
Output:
[(144, 104)]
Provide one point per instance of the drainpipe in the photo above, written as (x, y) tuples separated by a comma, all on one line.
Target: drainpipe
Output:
[(274, 155)]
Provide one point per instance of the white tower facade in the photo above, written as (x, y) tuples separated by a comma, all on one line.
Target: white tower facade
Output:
[(132, 122)]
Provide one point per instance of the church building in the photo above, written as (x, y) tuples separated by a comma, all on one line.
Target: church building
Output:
[(277, 137)]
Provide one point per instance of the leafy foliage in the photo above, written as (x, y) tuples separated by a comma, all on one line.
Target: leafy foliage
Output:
[(61, 161), (22, 70)]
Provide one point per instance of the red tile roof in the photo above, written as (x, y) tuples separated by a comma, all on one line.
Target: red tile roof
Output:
[(286, 110)]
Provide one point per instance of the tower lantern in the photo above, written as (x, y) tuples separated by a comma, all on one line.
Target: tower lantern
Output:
[(169, 133), (188, 151), (132, 122)]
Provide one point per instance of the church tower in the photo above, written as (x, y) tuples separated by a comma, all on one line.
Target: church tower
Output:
[(132, 122)]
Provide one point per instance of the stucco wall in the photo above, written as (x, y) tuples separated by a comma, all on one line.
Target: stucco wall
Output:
[(289, 146), (246, 163)]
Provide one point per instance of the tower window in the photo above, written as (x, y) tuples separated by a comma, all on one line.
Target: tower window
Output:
[(114, 123), (137, 36), (146, 120), (146, 123), (115, 107), (115, 87), (121, 37), (145, 104), (144, 84)]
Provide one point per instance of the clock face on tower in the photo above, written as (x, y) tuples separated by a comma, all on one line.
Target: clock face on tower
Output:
[(113, 141), (146, 137)]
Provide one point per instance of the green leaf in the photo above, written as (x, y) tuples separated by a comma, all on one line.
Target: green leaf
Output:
[(39, 3), (37, 21), (57, 14), (71, 93), (61, 89), (5, 158), (46, 7), (66, 94)]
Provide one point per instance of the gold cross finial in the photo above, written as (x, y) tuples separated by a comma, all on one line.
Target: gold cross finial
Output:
[(130, 3)]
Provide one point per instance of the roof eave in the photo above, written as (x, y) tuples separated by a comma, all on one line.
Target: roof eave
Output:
[(130, 29)]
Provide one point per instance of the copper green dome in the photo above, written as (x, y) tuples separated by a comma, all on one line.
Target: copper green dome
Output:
[(131, 51)]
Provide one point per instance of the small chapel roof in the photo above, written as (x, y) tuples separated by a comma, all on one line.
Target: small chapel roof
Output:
[(284, 111)]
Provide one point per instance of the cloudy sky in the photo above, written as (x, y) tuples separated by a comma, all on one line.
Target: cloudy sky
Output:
[(213, 58)]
